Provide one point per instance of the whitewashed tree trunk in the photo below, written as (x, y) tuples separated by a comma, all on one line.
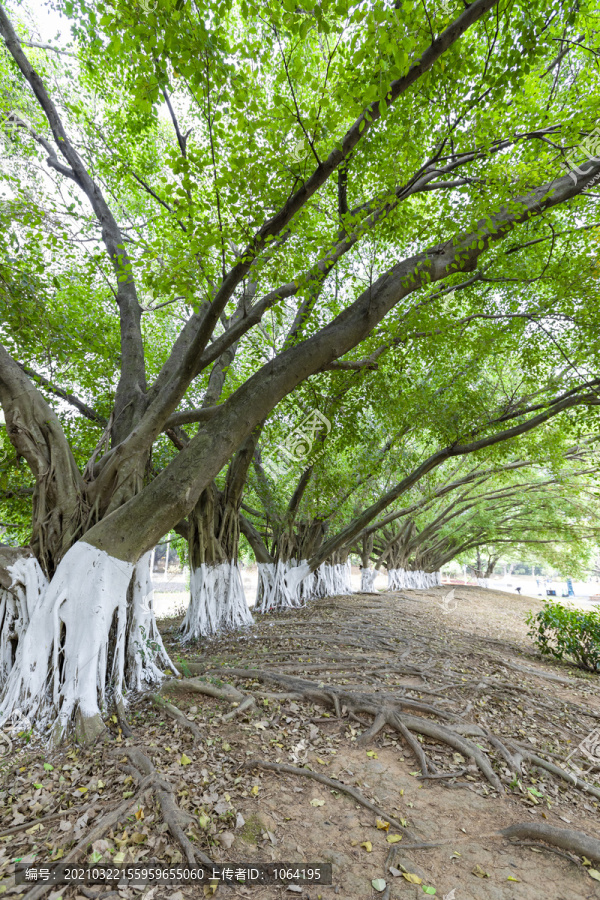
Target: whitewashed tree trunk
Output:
[(367, 580), (483, 582), (61, 673), (217, 601), (396, 580), (332, 580), (281, 585), (82, 647), (16, 607), (146, 654), (412, 580)]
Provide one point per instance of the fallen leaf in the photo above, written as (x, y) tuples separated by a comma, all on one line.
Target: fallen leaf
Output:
[(511, 878), (315, 802), (393, 838), (185, 760), (427, 889), (225, 839), (211, 889), (139, 814), (594, 873), (383, 826), (395, 872), (413, 879), (295, 888), (255, 790), (586, 861), (48, 767), (481, 873), (127, 794), (367, 845), (119, 858), (379, 884), (372, 754)]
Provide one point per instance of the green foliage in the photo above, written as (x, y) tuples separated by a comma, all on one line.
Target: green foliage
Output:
[(560, 631)]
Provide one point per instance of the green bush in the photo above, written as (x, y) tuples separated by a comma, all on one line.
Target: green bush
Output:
[(560, 630)]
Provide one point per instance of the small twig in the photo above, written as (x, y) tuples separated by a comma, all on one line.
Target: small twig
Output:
[(443, 775), (25, 825)]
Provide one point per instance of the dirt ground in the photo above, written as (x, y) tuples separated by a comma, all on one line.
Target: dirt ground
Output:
[(318, 677)]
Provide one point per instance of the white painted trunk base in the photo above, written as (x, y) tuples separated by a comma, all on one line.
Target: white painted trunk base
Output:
[(407, 580), (60, 667), (285, 584), (16, 607), (367, 580), (483, 582), (217, 601), (332, 580), (82, 645), (146, 655)]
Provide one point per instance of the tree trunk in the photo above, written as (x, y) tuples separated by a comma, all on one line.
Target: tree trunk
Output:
[(69, 665), (21, 582), (287, 582), (217, 598)]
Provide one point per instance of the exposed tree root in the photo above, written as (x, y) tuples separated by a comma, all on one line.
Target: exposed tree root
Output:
[(576, 842), (174, 817), (331, 783), (176, 714), (386, 709), (570, 777), (106, 822)]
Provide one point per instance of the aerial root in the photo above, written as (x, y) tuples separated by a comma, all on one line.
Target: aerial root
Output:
[(331, 783), (176, 714), (144, 772)]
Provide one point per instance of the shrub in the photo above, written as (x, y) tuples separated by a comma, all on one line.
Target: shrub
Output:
[(560, 630)]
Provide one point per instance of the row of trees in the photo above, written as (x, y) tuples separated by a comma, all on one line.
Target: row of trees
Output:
[(221, 219)]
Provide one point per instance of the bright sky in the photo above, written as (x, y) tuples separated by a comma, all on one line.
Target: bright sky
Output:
[(52, 28)]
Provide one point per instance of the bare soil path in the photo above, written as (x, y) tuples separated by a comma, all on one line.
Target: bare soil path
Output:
[(371, 691)]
